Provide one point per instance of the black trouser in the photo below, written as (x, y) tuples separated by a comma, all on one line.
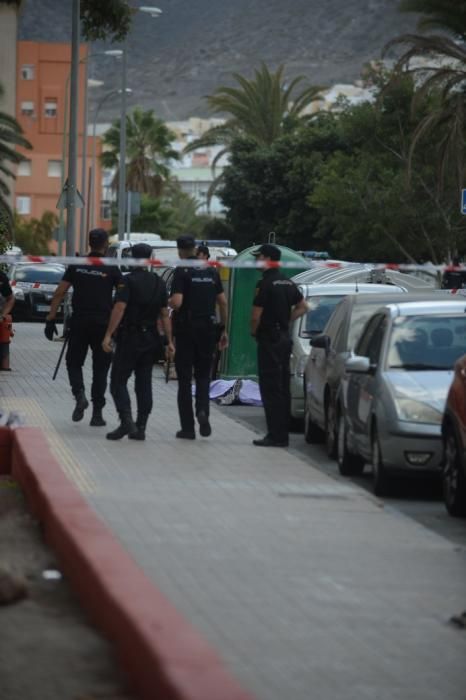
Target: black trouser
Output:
[(194, 350), (273, 359), (134, 353), (88, 333)]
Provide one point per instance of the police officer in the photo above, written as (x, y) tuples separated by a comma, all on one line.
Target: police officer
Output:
[(277, 301), (140, 300), (195, 292), (202, 252), (92, 302), (8, 300)]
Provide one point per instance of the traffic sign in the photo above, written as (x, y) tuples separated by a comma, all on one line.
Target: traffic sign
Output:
[(463, 201)]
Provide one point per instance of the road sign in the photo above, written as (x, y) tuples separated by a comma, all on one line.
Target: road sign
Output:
[(66, 198), (463, 201)]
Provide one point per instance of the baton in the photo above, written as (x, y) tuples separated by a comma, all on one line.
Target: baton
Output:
[(62, 352)]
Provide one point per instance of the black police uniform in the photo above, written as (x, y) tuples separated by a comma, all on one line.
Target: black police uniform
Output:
[(276, 295), (137, 340), (92, 304), (5, 289), (194, 329)]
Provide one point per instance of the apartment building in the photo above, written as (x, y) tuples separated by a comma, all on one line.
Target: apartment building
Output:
[(42, 84)]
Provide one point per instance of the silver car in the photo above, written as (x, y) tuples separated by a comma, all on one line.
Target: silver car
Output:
[(321, 300), (395, 387)]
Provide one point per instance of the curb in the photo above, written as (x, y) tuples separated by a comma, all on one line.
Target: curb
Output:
[(164, 656)]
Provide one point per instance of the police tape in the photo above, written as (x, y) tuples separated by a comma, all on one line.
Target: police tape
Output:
[(232, 263)]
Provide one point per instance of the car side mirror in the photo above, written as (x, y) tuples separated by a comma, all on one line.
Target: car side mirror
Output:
[(320, 341), (358, 364)]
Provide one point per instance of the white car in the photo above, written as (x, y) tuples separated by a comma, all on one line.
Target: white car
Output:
[(321, 300)]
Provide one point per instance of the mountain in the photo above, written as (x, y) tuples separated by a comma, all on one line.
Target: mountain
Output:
[(195, 45)]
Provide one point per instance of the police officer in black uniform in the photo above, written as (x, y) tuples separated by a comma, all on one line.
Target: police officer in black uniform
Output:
[(277, 301), (195, 292), (140, 300), (92, 303)]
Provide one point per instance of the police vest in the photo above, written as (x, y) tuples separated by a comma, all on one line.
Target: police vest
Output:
[(201, 295)]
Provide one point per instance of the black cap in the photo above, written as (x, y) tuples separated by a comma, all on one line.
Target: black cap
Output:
[(185, 242), (141, 251), (268, 251), (203, 249), (98, 237)]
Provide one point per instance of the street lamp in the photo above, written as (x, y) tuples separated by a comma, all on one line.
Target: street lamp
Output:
[(154, 12), (94, 146), (111, 52)]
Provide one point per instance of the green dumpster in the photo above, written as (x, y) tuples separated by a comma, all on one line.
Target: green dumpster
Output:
[(239, 359)]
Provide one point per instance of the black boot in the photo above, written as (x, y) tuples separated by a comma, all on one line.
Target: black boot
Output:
[(81, 404), (126, 427), (97, 419), (141, 423)]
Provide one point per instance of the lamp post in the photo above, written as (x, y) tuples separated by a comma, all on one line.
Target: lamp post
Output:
[(154, 12), (61, 226), (94, 147)]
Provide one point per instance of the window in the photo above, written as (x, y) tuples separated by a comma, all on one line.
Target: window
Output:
[(50, 107), (54, 168), (105, 210), (23, 205), (27, 72), (27, 109), (24, 169)]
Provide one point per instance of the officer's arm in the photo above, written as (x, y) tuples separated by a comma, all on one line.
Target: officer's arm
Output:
[(255, 319), (115, 320), (175, 301), (9, 303), (167, 329), (299, 310), (57, 299), (223, 308)]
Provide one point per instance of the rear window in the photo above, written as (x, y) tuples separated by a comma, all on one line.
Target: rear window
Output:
[(320, 310), (38, 274)]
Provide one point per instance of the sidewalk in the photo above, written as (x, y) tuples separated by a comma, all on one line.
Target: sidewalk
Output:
[(305, 585)]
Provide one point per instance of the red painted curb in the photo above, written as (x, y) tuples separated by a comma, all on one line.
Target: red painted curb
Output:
[(164, 656)]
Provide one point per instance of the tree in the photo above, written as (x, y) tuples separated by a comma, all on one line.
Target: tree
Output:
[(34, 236), (170, 215), (260, 109), (267, 188), (148, 148), (446, 76), (105, 19), (11, 135)]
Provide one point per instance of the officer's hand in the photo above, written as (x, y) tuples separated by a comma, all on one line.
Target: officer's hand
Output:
[(107, 344), (223, 342), (50, 330), (169, 351)]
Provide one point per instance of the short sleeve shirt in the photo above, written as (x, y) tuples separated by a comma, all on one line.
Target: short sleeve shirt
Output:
[(200, 288), (276, 295), (5, 289), (145, 295), (93, 287)]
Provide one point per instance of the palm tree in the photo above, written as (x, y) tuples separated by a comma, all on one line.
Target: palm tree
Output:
[(11, 135), (446, 76), (148, 150), (260, 108)]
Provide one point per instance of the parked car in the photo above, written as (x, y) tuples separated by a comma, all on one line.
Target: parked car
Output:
[(33, 287), (325, 366), (395, 387), (321, 300), (454, 443)]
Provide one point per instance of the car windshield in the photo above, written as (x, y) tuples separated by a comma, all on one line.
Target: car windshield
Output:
[(42, 275), (426, 342), (320, 310), (359, 315)]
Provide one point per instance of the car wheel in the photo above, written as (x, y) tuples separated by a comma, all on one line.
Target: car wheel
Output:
[(379, 474), (348, 464), (312, 432), (330, 431), (453, 477)]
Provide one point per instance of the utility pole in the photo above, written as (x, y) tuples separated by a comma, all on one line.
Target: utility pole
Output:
[(71, 194), (82, 223), (122, 163)]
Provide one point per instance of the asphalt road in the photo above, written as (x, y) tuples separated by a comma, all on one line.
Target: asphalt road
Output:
[(420, 501)]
